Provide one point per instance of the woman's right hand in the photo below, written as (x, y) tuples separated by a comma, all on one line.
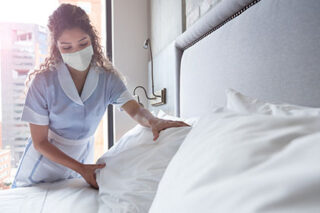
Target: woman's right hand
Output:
[(87, 171)]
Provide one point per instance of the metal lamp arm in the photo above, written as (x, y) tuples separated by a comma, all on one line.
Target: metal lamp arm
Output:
[(149, 98)]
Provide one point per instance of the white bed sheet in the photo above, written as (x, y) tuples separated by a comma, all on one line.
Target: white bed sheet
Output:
[(72, 195)]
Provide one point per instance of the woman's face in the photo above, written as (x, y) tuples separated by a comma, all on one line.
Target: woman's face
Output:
[(73, 40)]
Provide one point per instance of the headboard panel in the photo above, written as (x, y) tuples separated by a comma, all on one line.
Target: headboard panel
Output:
[(270, 51)]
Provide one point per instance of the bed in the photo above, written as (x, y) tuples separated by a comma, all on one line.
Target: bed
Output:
[(266, 49), (63, 196)]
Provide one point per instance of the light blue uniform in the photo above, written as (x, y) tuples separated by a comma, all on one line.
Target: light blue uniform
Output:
[(52, 99)]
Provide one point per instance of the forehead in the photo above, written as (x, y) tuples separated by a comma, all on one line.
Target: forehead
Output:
[(73, 35)]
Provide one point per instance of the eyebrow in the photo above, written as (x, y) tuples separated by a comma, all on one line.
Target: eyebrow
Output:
[(70, 43)]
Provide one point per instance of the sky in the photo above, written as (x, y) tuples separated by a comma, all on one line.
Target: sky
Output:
[(26, 11)]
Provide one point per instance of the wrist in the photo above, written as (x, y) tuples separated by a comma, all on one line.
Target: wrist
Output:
[(78, 167), (153, 121)]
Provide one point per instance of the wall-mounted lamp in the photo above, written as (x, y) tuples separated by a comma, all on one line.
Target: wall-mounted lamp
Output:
[(156, 100)]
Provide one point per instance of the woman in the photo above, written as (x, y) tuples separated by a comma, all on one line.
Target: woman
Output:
[(67, 99)]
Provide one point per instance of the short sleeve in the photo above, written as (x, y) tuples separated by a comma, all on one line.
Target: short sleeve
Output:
[(35, 109), (119, 94)]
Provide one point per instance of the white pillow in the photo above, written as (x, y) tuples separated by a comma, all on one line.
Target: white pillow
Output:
[(232, 162), (134, 167), (191, 120), (242, 103)]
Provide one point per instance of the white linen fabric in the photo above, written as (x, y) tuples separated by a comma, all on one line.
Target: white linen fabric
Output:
[(71, 195), (134, 167), (240, 102), (191, 120), (235, 162)]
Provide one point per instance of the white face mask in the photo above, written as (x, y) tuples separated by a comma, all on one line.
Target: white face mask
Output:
[(79, 60)]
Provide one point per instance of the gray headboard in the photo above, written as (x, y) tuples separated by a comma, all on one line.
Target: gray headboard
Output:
[(269, 49)]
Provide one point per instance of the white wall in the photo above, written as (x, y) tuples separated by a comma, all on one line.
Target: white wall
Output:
[(133, 22), (130, 29), (169, 19), (167, 22), (197, 8)]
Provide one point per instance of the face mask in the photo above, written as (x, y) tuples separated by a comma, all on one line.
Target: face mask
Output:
[(79, 60)]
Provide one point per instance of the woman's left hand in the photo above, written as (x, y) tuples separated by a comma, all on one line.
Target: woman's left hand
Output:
[(161, 124)]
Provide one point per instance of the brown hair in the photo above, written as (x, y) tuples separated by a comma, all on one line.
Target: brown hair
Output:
[(68, 16)]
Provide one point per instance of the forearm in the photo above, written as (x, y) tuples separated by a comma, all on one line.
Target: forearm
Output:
[(144, 117), (55, 154)]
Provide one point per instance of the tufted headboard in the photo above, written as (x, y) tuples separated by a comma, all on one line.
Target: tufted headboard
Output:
[(269, 49)]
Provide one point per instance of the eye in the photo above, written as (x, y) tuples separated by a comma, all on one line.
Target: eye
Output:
[(83, 44), (66, 48)]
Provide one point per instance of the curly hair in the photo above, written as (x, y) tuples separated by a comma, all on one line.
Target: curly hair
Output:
[(68, 16)]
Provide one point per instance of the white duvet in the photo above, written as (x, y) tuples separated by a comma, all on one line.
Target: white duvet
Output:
[(134, 167), (244, 163), (128, 183), (228, 162), (72, 195)]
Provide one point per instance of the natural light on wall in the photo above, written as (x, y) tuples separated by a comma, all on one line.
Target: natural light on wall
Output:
[(24, 45)]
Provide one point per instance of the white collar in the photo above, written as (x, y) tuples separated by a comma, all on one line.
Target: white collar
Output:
[(69, 87)]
